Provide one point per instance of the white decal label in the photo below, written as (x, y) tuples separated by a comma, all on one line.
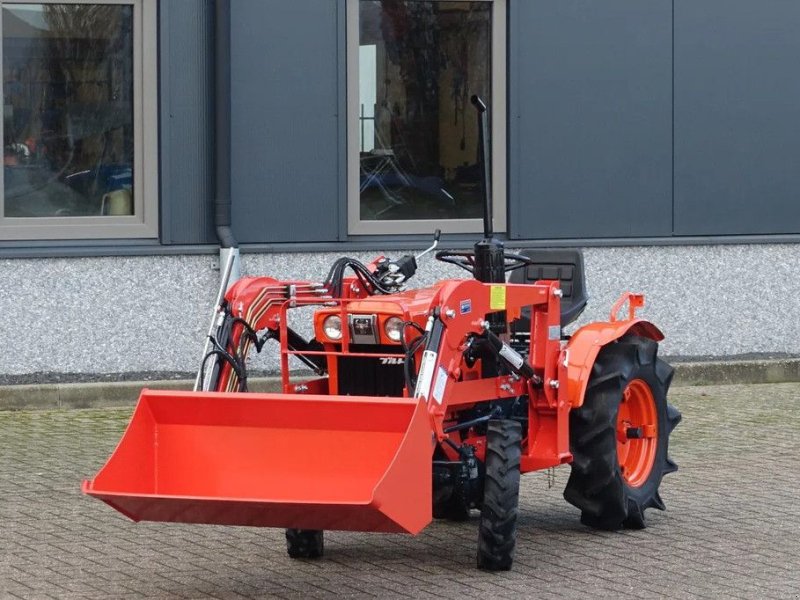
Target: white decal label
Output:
[(391, 360), (425, 377), (441, 382)]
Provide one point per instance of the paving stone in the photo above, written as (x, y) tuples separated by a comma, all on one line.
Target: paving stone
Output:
[(732, 528)]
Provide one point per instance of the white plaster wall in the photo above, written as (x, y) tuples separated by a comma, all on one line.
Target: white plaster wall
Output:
[(140, 314)]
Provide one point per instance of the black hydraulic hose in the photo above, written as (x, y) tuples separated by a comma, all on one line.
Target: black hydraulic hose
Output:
[(409, 366), (222, 124), (238, 369), (334, 280)]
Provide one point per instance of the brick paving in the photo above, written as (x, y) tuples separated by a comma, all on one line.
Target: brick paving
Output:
[(732, 528)]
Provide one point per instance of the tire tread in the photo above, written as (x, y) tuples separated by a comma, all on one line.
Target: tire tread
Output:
[(497, 534), (596, 485)]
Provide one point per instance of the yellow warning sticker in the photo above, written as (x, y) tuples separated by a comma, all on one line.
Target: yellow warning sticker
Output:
[(497, 297)]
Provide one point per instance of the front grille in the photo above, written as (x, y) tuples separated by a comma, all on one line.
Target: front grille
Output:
[(360, 376)]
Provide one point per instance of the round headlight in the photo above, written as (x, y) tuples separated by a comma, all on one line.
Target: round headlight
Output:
[(332, 326), (394, 328)]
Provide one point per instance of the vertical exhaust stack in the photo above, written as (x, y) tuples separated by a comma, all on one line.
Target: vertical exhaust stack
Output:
[(486, 172), (490, 264), (489, 252)]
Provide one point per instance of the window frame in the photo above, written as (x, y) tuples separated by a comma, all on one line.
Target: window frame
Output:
[(144, 222), (498, 106)]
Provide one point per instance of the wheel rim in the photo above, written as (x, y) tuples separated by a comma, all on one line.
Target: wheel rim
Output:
[(637, 433)]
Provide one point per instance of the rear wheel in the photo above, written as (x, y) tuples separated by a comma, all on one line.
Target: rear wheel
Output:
[(304, 543), (497, 535), (619, 438)]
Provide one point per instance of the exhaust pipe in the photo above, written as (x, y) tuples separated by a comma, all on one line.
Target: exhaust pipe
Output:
[(490, 263)]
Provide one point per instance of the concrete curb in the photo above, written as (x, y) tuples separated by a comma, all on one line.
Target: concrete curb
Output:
[(784, 370), (124, 394), (99, 395)]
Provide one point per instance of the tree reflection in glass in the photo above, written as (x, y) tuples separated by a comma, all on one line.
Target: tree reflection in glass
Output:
[(68, 110)]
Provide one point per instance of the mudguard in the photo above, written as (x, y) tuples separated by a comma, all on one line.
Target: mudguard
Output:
[(586, 342)]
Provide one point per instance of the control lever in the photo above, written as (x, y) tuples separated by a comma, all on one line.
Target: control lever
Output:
[(396, 273), (436, 235)]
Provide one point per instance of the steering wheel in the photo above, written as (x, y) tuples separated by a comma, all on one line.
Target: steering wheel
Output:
[(466, 260)]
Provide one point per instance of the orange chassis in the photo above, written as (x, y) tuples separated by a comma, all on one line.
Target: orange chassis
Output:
[(562, 366)]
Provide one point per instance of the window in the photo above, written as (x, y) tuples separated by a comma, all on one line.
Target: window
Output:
[(79, 120), (413, 137)]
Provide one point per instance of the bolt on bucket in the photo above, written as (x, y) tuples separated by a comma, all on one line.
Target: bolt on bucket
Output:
[(273, 460)]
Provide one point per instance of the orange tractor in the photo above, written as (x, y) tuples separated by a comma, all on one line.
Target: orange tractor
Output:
[(422, 403)]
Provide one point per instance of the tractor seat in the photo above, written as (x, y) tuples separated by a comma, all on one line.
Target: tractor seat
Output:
[(565, 266)]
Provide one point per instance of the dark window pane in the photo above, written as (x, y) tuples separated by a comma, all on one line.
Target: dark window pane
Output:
[(67, 110), (419, 64)]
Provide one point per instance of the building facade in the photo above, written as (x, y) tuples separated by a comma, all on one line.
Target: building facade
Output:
[(662, 136)]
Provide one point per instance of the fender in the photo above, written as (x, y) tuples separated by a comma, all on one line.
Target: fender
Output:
[(586, 342)]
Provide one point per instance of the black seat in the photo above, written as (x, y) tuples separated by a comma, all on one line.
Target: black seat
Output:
[(565, 265)]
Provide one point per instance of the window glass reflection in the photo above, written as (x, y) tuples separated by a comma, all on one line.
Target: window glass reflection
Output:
[(419, 64), (67, 110)]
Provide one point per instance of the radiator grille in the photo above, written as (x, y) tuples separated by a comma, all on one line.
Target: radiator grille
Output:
[(359, 376)]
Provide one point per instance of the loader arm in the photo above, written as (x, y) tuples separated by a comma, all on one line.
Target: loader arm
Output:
[(454, 386)]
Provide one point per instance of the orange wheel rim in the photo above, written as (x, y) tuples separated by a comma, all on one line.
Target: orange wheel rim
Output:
[(637, 433)]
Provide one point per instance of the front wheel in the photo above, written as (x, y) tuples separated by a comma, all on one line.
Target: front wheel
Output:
[(619, 437), (304, 543), (497, 535)]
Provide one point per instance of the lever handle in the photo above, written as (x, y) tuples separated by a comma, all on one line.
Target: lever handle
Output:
[(478, 103), (436, 235)]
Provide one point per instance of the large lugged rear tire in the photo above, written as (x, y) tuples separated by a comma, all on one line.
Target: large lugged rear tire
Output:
[(619, 437), (497, 534), (305, 543)]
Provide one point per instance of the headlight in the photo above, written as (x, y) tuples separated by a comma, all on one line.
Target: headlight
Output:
[(394, 328), (332, 326)]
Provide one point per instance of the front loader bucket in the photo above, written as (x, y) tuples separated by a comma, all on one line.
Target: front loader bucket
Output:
[(273, 460)]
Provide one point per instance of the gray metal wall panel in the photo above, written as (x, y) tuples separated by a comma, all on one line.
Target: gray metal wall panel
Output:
[(737, 116), (287, 167), (590, 152), (186, 121)]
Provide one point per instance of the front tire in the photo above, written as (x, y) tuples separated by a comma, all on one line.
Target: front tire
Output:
[(619, 437), (497, 534), (305, 543)]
